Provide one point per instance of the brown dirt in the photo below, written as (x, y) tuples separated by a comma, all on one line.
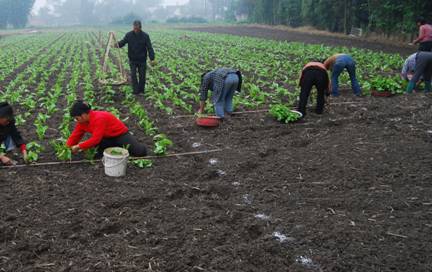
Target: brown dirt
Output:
[(340, 186), (309, 38)]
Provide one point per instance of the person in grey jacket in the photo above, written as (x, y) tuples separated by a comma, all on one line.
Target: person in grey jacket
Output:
[(423, 68), (223, 82), (408, 69)]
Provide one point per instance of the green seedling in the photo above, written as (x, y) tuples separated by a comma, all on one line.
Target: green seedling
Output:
[(161, 144), (283, 113), (143, 163)]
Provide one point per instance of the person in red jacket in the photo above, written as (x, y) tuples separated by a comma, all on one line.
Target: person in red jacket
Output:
[(314, 74), (106, 131)]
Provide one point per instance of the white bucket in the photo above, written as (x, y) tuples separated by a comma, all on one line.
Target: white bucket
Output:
[(115, 164)]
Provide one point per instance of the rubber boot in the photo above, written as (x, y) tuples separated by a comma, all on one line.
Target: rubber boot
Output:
[(428, 86), (410, 88)]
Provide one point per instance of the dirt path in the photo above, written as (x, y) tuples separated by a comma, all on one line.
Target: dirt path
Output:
[(346, 191), (295, 36)]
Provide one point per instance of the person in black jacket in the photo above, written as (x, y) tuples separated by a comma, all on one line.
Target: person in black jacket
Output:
[(139, 46), (9, 134)]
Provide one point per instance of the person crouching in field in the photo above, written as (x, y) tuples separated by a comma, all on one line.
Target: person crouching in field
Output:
[(337, 64), (9, 134), (314, 74), (223, 82), (106, 131), (423, 67)]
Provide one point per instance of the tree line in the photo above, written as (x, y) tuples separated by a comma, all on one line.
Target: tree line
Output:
[(15, 12), (383, 16)]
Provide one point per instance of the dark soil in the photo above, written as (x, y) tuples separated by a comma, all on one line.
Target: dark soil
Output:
[(309, 38), (351, 191)]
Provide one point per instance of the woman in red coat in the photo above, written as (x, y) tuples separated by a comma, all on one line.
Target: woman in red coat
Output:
[(106, 131)]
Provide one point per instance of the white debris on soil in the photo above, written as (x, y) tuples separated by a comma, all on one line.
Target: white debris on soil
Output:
[(196, 145), (247, 199), (282, 237), (262, 216), (213, 161), (429, 131), (235, 183), (220, 172), (304, 260)]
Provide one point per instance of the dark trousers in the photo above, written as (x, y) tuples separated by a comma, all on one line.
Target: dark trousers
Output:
[(425, 46), (319, 79), (423, 67), (126, 140), (138, 74)]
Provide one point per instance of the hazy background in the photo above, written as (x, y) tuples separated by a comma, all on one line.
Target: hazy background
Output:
[(384, 17)]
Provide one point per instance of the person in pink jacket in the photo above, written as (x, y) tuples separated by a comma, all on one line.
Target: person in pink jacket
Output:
[(425, 36)]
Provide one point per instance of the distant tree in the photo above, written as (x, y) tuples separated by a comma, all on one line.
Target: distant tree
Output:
[(4, 13), (127, 19), (387, 16), (15, 13)]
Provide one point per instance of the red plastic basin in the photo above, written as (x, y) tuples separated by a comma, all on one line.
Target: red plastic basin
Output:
[(382, 94), (208, 121)]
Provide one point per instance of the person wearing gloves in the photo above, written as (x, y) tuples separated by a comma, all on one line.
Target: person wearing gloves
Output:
[(223, 82), (423, 68), (106, 131), (9, 134), (139, 46), (314, 74), (337, 64)]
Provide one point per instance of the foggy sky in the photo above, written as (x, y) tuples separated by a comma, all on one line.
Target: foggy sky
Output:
[(41, 3)]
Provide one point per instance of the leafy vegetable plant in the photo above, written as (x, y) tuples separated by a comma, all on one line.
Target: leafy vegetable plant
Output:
[(33, 151), (143, 163), (283, 114), (161, 144)]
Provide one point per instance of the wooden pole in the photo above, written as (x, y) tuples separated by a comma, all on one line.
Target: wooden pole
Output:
[(266, 110), (131, 158)]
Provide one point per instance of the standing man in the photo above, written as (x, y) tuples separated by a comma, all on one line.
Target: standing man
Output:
[(337, 64), (139, 46), (425, 36)]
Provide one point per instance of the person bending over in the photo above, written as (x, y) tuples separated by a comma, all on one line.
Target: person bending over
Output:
[(337, 64), (106, 131), (423, 68), (314, 74), (223, 82)]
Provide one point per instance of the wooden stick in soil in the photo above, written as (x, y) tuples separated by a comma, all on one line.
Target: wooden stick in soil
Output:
[(131, 158), (397, 235), (266, 110)]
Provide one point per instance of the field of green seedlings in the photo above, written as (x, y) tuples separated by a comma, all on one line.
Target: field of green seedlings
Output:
[(348, 190), (43, 74)]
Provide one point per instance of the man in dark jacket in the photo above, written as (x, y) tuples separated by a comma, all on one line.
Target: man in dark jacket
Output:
[(139, 46), (9, 134)]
